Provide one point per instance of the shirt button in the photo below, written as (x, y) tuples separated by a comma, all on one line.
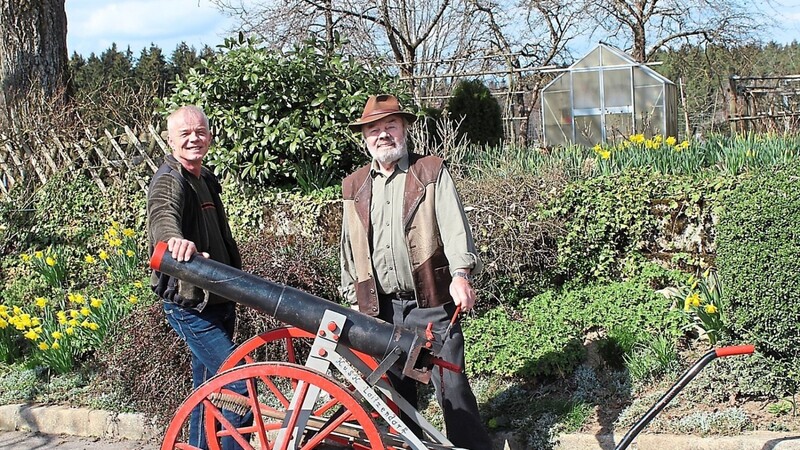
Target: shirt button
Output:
[(388, 202), (387, 246)]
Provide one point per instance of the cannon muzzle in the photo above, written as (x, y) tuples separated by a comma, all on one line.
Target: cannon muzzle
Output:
[(303, 310)]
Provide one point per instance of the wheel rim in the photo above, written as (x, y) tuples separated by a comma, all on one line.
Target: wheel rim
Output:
[(274, 384)]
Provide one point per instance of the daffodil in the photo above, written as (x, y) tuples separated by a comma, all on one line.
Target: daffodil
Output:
[(130, 253), (96, 303), (25, 257), (85, 311), (671, 141), (50, 261), (43, 346), (711, 309), (41, 302), (89, 259), (691, 300), (55, 346), (103, 255), (133, 299), (127, 232), (39, 255), (137, 284), (57, 335), (31, 335)]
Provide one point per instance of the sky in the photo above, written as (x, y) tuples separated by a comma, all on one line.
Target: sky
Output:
[(92, 25)]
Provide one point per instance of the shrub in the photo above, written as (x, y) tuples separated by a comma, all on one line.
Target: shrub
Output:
[(280, 119), (478, 113), (144, 356), (757, 257)]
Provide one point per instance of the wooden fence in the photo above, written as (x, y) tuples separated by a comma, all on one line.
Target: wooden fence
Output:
[(106, 159)]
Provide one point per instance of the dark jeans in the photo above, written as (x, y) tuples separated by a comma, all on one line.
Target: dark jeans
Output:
[(453, 392), (209, 335)]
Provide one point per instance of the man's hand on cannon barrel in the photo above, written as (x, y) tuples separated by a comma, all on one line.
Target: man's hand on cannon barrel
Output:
[(183, 249)]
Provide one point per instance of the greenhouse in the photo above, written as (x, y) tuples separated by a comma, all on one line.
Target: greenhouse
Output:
[(607, 96)]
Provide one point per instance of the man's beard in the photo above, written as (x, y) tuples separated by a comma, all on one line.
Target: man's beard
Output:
[(394, 154)]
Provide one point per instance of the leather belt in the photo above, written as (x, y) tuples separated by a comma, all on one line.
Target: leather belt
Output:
[(400, 296)]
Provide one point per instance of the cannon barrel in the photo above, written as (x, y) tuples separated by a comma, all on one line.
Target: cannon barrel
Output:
[(303, 310)]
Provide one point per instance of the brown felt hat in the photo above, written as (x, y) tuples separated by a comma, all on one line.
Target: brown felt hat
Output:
[(378, 107)]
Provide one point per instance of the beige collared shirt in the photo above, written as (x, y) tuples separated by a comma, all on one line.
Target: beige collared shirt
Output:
[(390, 253)]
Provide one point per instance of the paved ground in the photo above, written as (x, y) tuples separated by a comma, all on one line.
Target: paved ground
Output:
[(18, 440)]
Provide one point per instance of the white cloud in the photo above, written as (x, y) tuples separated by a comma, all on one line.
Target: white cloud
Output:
[(92, 25)]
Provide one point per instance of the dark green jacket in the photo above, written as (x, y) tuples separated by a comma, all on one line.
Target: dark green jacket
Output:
[(173, 210)]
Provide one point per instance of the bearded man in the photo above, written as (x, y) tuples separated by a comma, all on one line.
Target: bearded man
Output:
[(408, 256)]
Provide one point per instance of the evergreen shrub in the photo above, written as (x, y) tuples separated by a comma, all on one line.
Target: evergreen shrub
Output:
[(758, 256), (280, 119), (478, 113)]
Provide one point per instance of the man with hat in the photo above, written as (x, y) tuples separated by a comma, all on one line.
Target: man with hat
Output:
[(408, 256)]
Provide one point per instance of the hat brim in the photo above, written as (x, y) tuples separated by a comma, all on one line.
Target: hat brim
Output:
[(356, 126)]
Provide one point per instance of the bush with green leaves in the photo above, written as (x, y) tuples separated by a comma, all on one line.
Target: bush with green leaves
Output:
[(758, 259), (281, 119), (477, 112), (545, 336)]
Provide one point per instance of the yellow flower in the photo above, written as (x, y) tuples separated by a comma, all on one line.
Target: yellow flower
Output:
[(133, 299), (56, 346), (93, 326), (127, 232), (62, 317), (39, 255), (85, 324), (103, 255), (604, 154), (711, 309), (85, 311), (671, 141), (3, 323), (57, 335), (70, 331), (41, 302), (72, 322), (691, 300), (114, 224), (43, 346), (4, 308), (76, 298), (31, 335), (130, 253), (637, 139), (115, 242), (137, 284), (112, 231), (96, 303), (74, 314), (50, 261), (25, 257), (89, 259)]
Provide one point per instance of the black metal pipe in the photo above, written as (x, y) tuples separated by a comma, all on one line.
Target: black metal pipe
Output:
[(678, 387), (303, 310)]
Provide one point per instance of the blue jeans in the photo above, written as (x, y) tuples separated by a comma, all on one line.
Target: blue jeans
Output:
[(209, 335)]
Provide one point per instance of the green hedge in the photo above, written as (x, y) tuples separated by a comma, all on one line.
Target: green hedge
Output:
[(758, 256)]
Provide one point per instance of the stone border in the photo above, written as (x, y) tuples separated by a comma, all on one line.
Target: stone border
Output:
[(77, 422)]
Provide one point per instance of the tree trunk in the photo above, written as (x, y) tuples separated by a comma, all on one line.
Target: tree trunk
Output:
[(33, 59)]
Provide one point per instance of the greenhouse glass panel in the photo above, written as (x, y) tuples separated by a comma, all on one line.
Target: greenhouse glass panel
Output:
[(586, 89), (617, 87), (618, 127), (557, 117), (588, 130), (590, 60), (649, 110), (609, 58)]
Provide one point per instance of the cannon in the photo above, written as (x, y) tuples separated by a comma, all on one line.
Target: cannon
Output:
[(303, 403)]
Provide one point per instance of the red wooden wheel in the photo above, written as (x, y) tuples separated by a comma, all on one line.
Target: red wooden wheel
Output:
[(290, 344), (337, 419)]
